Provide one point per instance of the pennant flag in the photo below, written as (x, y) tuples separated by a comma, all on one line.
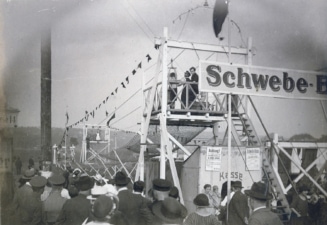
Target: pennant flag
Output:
[(96, 108), (111, 118), (107, 98), (99, 105), (219, 14), (149, 57), (67, 118), (134, 72), (122, 83), (104, 101), (93, 113), (116, 90), (112, 93), (127, 80), (139, 65), (107, 113), (86, 112)]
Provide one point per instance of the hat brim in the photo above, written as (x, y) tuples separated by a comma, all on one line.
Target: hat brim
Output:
[(257, 195), (157, 211)]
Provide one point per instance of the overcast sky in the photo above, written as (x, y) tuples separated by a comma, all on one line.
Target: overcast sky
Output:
[(97, 44)]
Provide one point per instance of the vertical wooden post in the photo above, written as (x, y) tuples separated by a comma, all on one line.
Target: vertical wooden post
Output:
[(46, 145)]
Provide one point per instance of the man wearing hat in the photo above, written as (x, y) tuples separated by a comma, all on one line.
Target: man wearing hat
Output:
[(30, 211), (25, 190), (77, 209), (258, 196), (130, 205), (169, 211), (238, 209), (54, 203)]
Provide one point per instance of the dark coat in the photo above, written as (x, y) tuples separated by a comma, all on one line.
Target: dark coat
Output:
[(264, 217), (134, 207), (74, 211), (238, 209), (30, 210)]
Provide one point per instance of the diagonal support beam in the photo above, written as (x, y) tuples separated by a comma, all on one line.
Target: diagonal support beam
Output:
[(303, 171)]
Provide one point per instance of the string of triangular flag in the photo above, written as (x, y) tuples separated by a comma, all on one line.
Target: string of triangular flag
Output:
[(123, 84)]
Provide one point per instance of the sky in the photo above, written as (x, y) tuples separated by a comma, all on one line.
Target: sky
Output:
[(96, 44)]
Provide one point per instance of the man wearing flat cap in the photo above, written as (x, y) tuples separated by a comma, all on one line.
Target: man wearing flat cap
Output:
[(54, 203), (257, 198), (31, 208), (77, 209), (238, 209)]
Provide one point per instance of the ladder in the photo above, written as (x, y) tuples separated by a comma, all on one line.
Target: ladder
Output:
[(282, 207)]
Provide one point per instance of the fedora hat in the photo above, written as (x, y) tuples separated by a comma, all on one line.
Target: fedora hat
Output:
[(121, 179), (259, 190), (201, 200), (84, 183), (170, 210), (29, 174), (237, 184), (97, 191)]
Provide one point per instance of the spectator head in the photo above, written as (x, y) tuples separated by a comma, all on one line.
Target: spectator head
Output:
[(207, 188), (258, 194), (84, 184), (160, 188), (102, 207), (174, 193), (215, 188), (237, 185), (138, 186), (72, 191), (170, 211), (303, 188), (121, 180), (201, 200), (29, 174), (38, 183), (57, 181)]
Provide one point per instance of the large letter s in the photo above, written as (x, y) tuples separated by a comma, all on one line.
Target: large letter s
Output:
[(212, 73)]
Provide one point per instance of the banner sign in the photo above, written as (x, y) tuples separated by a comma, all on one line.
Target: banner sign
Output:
[(253, 159), (262, 81), (213, 160)]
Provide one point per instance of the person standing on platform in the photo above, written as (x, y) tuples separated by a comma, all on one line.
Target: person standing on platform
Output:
[(195, 80), (258, 196), (186, 92), (238, 209)]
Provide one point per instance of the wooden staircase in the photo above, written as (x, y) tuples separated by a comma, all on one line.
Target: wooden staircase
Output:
[(282, 208)]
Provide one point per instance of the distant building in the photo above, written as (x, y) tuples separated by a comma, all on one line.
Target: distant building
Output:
[(8, 117)]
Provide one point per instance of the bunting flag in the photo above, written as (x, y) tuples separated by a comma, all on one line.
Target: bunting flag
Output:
[(111, 118), (149, 57), (219, 14), (139, 66), (107, 113), (67, 118)]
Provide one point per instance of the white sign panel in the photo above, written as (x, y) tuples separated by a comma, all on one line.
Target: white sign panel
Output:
[(213, 159), (262, 81), (253, 159)]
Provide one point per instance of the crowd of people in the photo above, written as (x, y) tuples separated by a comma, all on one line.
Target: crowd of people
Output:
[(72, 197)]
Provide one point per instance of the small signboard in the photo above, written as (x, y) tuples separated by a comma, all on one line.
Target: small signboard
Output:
[(213, 159), (253, 159)]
